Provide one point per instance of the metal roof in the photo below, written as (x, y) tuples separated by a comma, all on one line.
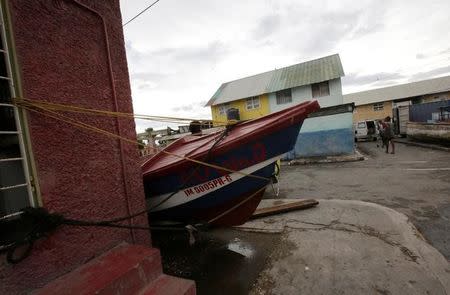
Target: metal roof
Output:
[(313, 71), (413, 89)]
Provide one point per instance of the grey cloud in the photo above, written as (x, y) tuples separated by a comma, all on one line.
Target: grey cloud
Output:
[(211, 52), (430, 74), (328, 30), (420, 56), (322, 31), (423, 56), (369, 20), (148, 76), (366, 29), (381, 78), (185, 108), (268, 25), (168, 66), (146, 85), (445, 51), (190, 107)]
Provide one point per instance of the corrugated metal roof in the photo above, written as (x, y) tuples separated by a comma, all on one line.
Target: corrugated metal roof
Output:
[(313, 71), (413, 89)]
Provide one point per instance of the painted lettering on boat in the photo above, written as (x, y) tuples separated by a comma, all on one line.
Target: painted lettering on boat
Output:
[(249, 156), (207, 186)]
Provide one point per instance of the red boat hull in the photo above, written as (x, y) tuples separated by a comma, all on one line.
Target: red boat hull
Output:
[(182, 190), (235, 212)]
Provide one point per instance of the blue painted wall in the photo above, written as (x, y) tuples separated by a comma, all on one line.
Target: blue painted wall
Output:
[(325, 136), (424, 112)]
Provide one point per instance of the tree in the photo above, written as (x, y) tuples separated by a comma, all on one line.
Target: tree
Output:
[(149, 130)]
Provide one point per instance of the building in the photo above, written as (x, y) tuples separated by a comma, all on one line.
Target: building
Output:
[(268, 92), (272, 91), (73, 53), (379, 103)]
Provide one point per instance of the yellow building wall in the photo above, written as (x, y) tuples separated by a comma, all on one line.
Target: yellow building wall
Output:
[(244, 114), (366, 112)]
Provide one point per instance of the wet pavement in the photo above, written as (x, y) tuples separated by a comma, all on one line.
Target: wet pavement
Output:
[(221, 261), (414, 181)]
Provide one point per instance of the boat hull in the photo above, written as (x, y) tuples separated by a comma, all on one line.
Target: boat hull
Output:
[(257, 157), (179, 189), (238, 158), (225, 201)]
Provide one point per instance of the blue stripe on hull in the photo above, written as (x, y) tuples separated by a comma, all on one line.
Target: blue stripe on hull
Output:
[(244, 156), (217, 198)]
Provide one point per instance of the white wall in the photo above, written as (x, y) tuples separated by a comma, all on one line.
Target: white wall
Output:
[(303, 93)]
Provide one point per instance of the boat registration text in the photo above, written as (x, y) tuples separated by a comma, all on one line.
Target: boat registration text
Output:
[(207, 186)]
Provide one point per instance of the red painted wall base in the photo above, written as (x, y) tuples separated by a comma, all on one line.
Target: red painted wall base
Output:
[(125, 269)]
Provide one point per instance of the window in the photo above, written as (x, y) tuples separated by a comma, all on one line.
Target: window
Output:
[(223, 108), (15, 188), (378, 106), (284, 96), (252, 102), (361, 125), (320, 89)]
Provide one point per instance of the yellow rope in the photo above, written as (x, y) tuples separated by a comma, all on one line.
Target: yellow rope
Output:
[(78, 109), (44, 111)]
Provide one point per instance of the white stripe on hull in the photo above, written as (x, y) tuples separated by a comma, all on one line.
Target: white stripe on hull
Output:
[(194, 192)]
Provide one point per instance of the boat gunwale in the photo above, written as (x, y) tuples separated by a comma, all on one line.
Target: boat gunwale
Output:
[(284, 121)]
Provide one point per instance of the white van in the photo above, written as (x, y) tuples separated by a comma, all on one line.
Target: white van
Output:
[(366, 130)]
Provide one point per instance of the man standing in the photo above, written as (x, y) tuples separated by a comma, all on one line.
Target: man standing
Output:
[(388, 134)]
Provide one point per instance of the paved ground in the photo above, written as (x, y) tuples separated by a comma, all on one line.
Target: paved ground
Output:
[(414, 181), (348, 247)]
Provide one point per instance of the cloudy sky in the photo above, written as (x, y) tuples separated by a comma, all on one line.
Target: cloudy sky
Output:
[(179, 52)]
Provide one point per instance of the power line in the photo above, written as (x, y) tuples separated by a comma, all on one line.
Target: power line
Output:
[(136, 16)]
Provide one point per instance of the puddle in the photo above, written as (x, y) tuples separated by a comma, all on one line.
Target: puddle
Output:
[(239, 247), (222, 261)]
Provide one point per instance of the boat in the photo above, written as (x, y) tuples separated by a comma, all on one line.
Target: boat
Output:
[(240, 159)]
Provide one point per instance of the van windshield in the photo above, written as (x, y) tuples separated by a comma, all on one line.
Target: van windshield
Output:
[(362, 125)]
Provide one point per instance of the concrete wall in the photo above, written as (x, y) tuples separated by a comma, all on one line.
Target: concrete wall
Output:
[(304, 93), (325, 136), (61, 53), (429, 132), (436, 97), (243, 112), (366, 112)]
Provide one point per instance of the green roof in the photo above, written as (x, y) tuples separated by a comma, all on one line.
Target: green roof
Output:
[(310, 72)]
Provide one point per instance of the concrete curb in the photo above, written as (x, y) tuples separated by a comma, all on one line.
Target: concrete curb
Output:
[(357, 156), (421, 144)]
